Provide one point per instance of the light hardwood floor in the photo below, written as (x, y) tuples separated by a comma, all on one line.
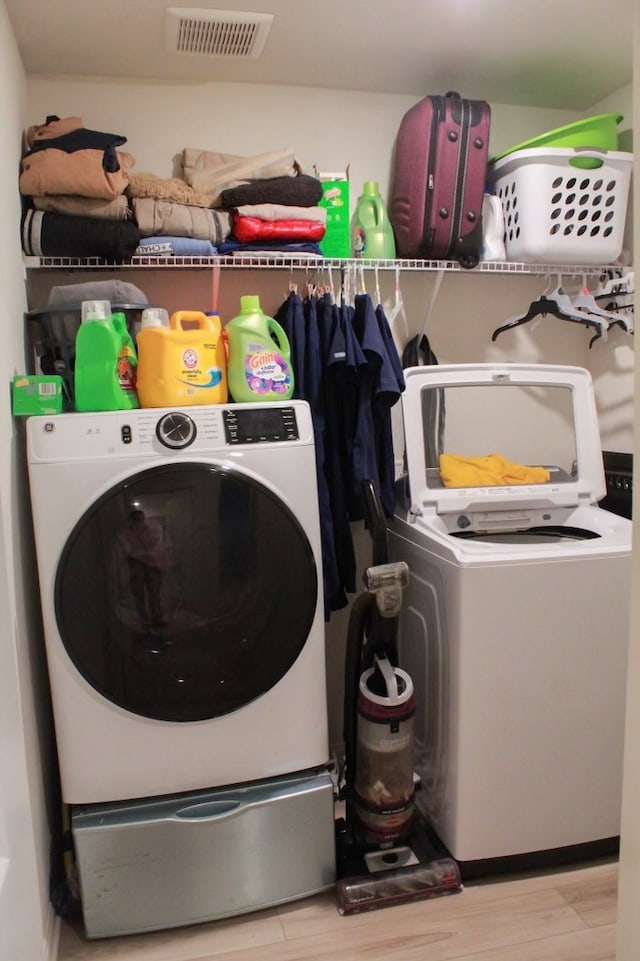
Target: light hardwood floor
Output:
[(566, 915)]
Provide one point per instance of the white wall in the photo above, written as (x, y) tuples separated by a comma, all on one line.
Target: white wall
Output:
[(629, 875), (613, 367), (621, 101), (27, 930), (328, 128)]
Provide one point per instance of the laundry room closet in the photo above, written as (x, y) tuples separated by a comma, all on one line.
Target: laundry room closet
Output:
[(458, 309)]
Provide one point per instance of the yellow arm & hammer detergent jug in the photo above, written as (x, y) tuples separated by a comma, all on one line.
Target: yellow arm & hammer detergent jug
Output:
[(181, 361), (259, 355)]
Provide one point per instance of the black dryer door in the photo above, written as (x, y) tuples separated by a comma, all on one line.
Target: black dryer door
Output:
[(186, 592)]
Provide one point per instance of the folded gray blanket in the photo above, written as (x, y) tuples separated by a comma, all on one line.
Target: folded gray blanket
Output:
[(301, 191), (115, 291)]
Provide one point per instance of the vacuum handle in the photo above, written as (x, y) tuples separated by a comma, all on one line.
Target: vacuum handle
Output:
[(374, 519), (390, 679)]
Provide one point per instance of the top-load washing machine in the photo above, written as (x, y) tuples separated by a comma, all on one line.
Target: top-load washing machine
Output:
[(515, 621)]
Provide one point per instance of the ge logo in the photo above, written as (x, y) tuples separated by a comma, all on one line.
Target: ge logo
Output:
[(49, 427), (190, 358)]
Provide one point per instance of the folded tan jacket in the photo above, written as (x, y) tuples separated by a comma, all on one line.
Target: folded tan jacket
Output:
[(52, 171)]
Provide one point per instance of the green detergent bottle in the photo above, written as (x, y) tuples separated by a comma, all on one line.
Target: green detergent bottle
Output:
[(259, 365), (105, 362), (371, 230)]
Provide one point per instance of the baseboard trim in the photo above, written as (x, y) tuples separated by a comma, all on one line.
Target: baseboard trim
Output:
[(52, 935)]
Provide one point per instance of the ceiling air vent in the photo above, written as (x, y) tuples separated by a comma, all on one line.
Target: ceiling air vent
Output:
[(216, 33)]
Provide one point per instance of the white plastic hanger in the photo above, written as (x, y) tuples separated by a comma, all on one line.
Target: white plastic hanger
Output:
[(615, 285), (431, 304), (332, 291), (398, 311), (361, 287), (558, 304), (585, 300), (568, 309)]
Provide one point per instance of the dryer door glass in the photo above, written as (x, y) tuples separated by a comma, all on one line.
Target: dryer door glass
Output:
[(186, 592)]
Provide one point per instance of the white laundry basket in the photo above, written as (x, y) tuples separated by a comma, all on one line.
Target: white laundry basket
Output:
[(563, 205)]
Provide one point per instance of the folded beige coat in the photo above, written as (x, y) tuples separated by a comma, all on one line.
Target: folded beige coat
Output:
[(117, 209), (282, 212), (192, 160), (52, 171), (208, 177), (162, 218)]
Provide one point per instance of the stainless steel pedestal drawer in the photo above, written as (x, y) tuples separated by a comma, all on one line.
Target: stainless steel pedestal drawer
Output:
[(170, 861)]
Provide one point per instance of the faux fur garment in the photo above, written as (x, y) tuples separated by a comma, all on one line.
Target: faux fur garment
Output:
[(171, 189)]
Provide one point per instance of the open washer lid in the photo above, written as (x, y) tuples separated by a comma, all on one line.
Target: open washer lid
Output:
[(540, 415)]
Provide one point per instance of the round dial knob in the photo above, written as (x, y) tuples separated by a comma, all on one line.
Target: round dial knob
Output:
[(176, 430)]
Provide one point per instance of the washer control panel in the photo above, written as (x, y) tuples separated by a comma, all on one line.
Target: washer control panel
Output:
[(194, 431), (259, 425)]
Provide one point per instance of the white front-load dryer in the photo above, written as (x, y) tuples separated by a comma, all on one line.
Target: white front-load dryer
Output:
[(180, 572), (515, 621)]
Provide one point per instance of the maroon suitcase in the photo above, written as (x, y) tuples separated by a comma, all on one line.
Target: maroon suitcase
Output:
[(439, 178)]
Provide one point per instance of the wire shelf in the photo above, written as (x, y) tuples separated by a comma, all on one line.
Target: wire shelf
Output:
[(269, 262)]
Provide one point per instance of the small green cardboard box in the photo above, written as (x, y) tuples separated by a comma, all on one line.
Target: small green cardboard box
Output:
[(37, 394), (335, 198)]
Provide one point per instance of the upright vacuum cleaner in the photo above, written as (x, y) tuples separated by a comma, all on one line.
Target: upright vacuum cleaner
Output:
[(385, 853)]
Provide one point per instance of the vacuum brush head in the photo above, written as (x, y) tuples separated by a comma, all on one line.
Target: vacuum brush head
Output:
[(412, 883)]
